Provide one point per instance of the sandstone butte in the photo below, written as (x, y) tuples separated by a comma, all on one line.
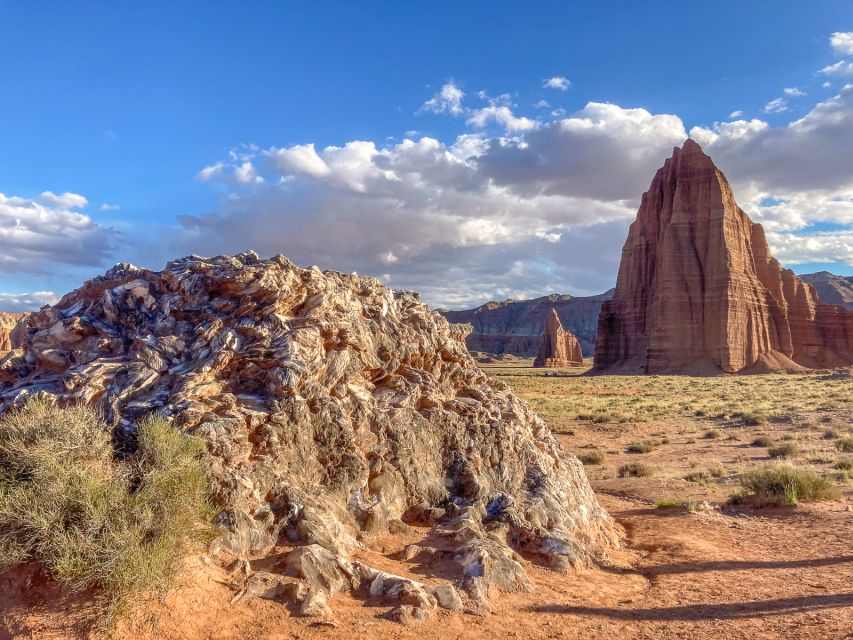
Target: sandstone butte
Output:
[(332, 408), (699, 292), (558, 348), (13, 330)]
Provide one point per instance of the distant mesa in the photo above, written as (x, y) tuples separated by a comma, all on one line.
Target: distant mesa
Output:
[(832, 289), (699, 292), (558, 348), (513, 327)]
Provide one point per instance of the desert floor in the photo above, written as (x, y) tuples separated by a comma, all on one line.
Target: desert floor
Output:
[(698, 569)]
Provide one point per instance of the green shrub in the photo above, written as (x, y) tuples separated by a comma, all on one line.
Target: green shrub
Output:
[(779, 484), (784, 450), (845, 444), (591, 457), (640, 447), (668, 503), (763, 441), (91, 520), (635, 470)]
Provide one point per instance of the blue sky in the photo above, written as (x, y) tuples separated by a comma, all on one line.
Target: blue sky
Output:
[(125, 104)]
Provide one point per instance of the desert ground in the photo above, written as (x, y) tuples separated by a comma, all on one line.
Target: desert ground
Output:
[(692, 565)]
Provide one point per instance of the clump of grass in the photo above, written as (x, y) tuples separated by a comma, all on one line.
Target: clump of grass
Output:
[(699, 477), (640, 447), (717, 470), (844, 465), (781, 484), (690, 506), (783, 450), (635, 470), (845, 444), (712, 434), (763, 441), (831, 434), (591, 457), (91, 520), (668, 503), (753, 418)]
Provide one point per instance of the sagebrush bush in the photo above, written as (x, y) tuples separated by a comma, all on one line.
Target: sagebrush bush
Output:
[(92, 520), (780, 484), (635, 470), (591, 457), (763, 441), (844, 465), (712, 434), (640, 447), (783, 450)]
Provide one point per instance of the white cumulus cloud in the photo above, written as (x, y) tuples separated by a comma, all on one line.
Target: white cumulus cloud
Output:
[(561, 83), (842, 42), (777, 105), (840, 68)]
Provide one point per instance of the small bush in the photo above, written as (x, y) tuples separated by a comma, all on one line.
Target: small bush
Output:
[(712, 434), (91, 520), (763, 441), (717, 470), (784, 450), (831, 434), (700, 477), (668, 503), (844, 465), (753, 419), (591, 457), (845, 444), (635, 470), (640, 447), (780, 484)]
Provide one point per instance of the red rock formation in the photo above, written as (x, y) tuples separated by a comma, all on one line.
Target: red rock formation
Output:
[(558, 348), (13, 331), (698, 290)]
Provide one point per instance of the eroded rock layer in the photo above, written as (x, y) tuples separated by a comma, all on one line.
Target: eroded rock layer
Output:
[(558, 348), (698, 290), (331, 407)]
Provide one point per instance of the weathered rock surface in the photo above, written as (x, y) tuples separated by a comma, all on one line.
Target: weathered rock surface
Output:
[(13, 330), (698, 290), (558, 348), (830, 288), (332, 408), (514, 326)]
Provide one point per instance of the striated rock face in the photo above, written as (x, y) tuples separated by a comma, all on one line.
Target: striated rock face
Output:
[(332, 407), (13, 330), (558, 348), (831, 289), (698, 290), (514, 326)]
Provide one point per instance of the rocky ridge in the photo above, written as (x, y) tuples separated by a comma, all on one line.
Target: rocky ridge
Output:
[(558, 348), (333, 409), (514, 326), (699, 292), (831, 288)]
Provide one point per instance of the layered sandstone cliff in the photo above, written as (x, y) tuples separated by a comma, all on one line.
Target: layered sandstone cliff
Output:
[(558, 348), (332, 408), (514, 326), (698, 290)]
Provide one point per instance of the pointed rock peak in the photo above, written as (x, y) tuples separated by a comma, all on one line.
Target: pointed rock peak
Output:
[(691, 146)]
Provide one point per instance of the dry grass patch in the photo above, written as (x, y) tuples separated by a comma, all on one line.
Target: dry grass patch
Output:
[(786, 484), (591, 457), (783, 450), (635, 470), (763, 441), (752, 399), (90, 519)]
